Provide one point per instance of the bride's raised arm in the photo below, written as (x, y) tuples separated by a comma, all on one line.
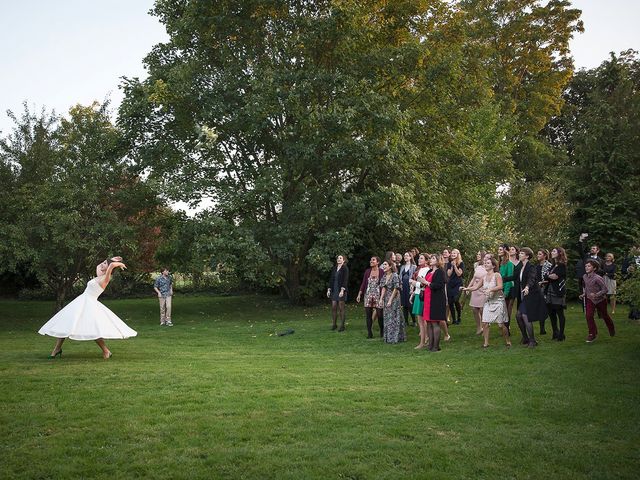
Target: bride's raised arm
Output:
[(107, 277)]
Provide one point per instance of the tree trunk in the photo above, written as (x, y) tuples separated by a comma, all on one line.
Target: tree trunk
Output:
[(292, 287), (61, 294)]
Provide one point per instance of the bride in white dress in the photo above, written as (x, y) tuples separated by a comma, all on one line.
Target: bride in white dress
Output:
[(85, 318)]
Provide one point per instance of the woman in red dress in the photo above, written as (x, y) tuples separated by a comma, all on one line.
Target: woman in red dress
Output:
[(435, 301)]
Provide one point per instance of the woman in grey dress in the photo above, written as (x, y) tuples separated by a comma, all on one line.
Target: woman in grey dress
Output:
[(394, 331)]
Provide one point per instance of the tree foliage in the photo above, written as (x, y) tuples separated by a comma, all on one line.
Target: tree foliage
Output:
[(598, 129), (324, 127), (73, 200)]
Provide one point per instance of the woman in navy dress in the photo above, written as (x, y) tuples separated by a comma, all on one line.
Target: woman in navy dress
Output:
[(406, 273)]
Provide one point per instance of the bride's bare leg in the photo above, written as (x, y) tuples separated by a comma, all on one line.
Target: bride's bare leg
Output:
[(105, 351), (58, 346)]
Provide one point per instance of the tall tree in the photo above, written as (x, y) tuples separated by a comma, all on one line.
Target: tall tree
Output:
[(316, 124), (599, 129), (74, 200)]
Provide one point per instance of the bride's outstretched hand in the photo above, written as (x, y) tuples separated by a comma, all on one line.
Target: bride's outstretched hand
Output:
[(119, 264)]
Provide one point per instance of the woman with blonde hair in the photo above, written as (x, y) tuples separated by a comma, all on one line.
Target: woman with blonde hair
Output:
[(454, 271)]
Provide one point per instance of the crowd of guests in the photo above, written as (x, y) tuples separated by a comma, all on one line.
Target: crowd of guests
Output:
[(427, 289)]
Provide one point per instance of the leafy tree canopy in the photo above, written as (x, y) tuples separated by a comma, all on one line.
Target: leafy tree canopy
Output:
[(72, 198), (320, 127)]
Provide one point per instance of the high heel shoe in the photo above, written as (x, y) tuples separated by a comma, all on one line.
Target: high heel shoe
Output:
[(107, 357), (58, 354)]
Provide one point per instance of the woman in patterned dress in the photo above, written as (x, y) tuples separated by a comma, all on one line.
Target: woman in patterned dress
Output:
[(542, 271), (495, 308), (394, 331), (370, 288)]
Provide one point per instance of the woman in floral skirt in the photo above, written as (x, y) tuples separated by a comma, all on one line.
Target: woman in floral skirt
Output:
[(394, 331)]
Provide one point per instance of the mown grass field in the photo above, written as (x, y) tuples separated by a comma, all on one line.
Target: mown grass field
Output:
[(220, 396)]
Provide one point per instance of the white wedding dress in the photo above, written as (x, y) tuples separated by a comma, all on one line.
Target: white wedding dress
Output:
[(85, 318)]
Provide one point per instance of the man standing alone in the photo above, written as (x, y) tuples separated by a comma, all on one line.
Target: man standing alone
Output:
[(164, 288)]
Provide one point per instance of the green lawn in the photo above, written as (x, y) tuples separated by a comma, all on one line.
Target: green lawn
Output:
[(220, 396)]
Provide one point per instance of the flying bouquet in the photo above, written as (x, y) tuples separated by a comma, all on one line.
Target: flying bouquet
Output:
[(207, 136)]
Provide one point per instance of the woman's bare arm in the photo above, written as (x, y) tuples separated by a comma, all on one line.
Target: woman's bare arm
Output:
[(107, 277)]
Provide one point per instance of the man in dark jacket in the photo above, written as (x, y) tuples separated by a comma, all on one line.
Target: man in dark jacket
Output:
[(592, 253)]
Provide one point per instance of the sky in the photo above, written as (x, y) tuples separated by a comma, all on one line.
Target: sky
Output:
[(55, 54)]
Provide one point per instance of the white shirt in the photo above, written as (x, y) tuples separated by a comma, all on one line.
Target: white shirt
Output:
[(422, 272)]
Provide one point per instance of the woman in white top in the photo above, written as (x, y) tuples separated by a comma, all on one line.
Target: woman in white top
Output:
[(495, 308)]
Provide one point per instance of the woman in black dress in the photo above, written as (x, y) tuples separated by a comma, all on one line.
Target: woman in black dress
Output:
[(532, 308), (337, 291), (557, 292), (455, 271)]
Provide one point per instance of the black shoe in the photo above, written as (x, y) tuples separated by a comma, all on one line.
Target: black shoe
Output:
[(561, 337), (334, 327), (370, 335), (543, 332), (554, 336), (341, 329)]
